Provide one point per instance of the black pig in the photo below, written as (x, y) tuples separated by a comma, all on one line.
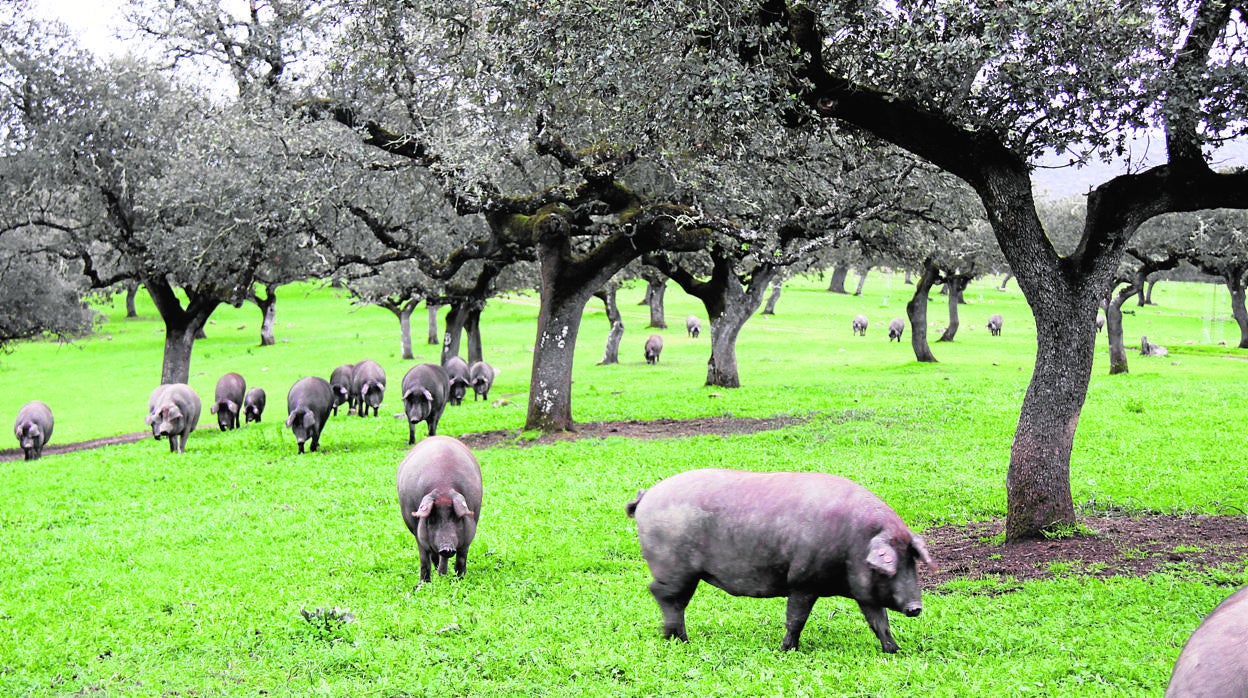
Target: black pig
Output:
[(424, 397), (308, 404), (440, 492), (228, 401), (33, 428)]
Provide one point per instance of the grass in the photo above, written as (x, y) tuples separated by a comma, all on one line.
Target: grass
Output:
[(241, 568)]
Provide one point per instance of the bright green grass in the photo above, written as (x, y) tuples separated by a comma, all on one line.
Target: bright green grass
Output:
[(133, 572)]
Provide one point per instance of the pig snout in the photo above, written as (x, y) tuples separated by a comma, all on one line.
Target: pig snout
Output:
[(912, 609)]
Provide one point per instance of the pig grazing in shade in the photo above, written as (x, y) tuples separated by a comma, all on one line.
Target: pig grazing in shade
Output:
[(859, 325), (228, 402), (33, 428), (440, 491), (173, 411), (253, 404), (340, 382), (481, 375), (994, 325), (800, 535), (654, 347), (424, 397), (308, 404), (458, 379), (693, 326), (1214, 661), (895, 329), (368, 386)]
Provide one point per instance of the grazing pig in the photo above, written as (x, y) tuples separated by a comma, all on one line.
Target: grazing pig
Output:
[(1214, 661), (173, 411), (228, 402), (859, 325), (33, 428), (424, 397), (340, 382), (440, 490), (1100, 323), (693, 326), (994, 325), (895, 328), (308, 404), (800, 535), (1147, 348), (458, 379), (481, 375), (253, 404), (654, 347), (368, 386)]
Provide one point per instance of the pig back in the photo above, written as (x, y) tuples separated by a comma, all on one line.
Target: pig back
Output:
[(312, 393), (183, 397), (1214, 660), (34, 413), (430, 377), (231, 387), (367, 371), (438, 462)]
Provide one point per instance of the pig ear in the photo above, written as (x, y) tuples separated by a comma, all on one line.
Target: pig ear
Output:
[(290, 421), (213, 409), (920, 549), (881, 556), (364, 389), (426, 506), (428, 395), (151, 419), (231, 406), (174, 413), (460, 504)]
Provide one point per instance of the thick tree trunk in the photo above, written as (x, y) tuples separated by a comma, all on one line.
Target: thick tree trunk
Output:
[(434, 339), (473, 327), (1146, 294), (181, 327), (456, 319), (1113, 330), (405, 329), (611, 355), (656, 288), (738, 303), (770, 307), (1239, 309), (268, 314), (916, 311), (956, 284), (839, 273), (550, 399), (132, 290), (862, 279)]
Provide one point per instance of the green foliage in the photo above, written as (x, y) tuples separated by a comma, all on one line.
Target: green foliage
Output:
[(229, 570)]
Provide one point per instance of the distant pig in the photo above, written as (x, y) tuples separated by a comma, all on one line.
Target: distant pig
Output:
[(693, 326), (654, 347), (253, 404), (895, 328), (994, 325), (228, 401), (368, 386), (1100, 323), (340, 382), (424, 397), (173, 411), (859, 325), (440, 491), (33, 428), (307, 405), (482, 376), (457, 379), (1214, 661), (800, 535)]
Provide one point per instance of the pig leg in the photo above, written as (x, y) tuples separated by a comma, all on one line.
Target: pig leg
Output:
[(795, 615), (672, 599), (442, 564), (411, 433), (877, 618), (461, 562), (425, 565), (316, 441)]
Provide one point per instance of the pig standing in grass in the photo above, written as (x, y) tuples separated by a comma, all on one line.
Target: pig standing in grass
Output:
[(253, 404), (457, 379), (308, 404), (424, 397), (800, 535), (1214, 661), (482, 376), (173, 411), (440, 497), (693, 326), (340, 382), (994, 325), (654, 347), (859, 325), (895, 329), (33, 428), (228, 401), (368, 386)]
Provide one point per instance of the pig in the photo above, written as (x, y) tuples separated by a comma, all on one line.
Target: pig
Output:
[(424, 397), (1214, 661), (308, 404), (1147, 348), (368, 386), (896, 327), (1100, 323), (994, 325), (33, 428), (440, 492), (693, 326), (859, 325), (228, 401), (458, 379), (253, 404), (654, 347), (800, 535), (340, 382), (173, 411), (481, 375)]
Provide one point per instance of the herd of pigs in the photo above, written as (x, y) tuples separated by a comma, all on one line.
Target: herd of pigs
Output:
[(759, 534)]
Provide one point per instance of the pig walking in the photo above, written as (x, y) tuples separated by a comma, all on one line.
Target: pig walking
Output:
[(440, 491), (654, 347), (368, 386), (424, 397), (228, 400), (1214, 661), (896, 327), (482, 376), (859, 325), (308, 404), (800, 535), (253, 404), (173, 411), (457, 379), (33, 428), (693, 326), (340, 382), (994, 325)]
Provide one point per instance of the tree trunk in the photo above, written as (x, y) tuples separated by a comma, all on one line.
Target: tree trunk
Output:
[(839, 272), (955, 283), (268, 313), (862, 279), (738, 303), (473, 327), (612, 353), (434, 339), (456, 319), (405, 328), (132, 290), (1235, 284), (916, 311), (1006, 280), (656, 288), (906, 280), (1113, 330), (181, 327), (550, 399), (770, 307), (1146, 294)]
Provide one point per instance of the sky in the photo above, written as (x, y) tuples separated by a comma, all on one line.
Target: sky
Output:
[(95, 21)]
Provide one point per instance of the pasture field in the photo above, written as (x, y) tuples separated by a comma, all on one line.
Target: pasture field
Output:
[(134, 572)]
